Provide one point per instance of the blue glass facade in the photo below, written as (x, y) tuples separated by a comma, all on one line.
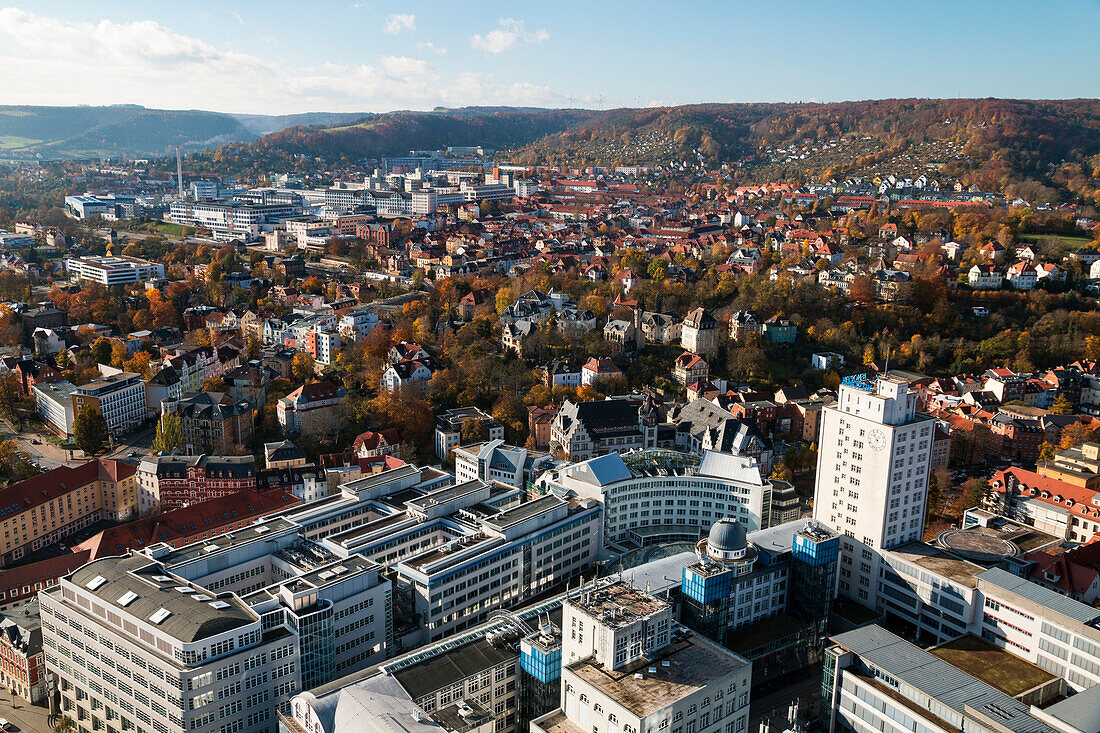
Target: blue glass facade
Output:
[(704, 589), (543, 666), (816, 552)]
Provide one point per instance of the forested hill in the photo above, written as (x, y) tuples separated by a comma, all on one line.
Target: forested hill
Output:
[(398, 132), (991, 143), (124, 130)]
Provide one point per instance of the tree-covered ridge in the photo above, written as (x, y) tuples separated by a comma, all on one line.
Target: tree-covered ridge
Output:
[(75, 132), (395, 133)]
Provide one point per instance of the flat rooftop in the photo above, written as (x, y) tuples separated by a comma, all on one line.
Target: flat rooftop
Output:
[(692, 665), (618, 604), (992, 665), (265, 530), (933, 559), (525, 511)]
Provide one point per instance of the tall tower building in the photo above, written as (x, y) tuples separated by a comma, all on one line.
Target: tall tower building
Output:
[(872, 476)]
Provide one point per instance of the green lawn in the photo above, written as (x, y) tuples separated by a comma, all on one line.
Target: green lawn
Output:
[(11, 142), (1071, 241)]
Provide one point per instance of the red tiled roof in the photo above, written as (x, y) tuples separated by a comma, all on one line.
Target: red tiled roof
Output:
[(211, 516), (48, 486), (42, 571)]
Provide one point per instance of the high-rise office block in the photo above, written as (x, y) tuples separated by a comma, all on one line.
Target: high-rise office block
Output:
[(872, 475)]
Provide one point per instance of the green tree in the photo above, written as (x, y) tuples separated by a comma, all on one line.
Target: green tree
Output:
[(976, 493), (89, 430), (169, 433), (101, 350), (65, 725)]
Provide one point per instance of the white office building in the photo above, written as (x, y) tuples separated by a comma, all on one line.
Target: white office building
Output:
[(113, 270), (496, 462), (876, 681), (229, 220), (213, 636), (658, 495), (625, 669), (872, 473)]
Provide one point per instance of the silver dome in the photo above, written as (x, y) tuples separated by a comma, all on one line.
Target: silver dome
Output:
[(727, 535)]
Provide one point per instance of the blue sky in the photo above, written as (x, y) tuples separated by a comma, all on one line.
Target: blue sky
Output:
[(369, 55)]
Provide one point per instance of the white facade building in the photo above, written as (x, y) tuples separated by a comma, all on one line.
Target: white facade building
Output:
[(623, 670), (872, 474), (658, 495), (114, 270)]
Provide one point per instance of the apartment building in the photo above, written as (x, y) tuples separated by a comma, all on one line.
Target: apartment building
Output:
[(213, 423), (45, 509), (113, 270), (662, 496), (623, 668), (314, 410), (872, 473), (53, 401), (169, 482), (119, 396), (584, 430), (22, 659)]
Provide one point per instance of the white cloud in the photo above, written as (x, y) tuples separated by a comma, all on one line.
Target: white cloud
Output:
[(238, 18), (428, 46), (48, 60), (508, 34), (400, 23)]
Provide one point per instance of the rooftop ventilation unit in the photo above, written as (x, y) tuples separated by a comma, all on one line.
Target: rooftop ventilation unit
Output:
[(160, 615), (127, 598), (95, 582)]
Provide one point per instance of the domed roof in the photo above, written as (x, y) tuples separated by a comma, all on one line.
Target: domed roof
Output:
[(727, 535)]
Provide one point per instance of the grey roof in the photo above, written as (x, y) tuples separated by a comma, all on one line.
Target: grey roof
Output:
[(191, 619), (603, 470), (727, 535), (1080, 612), (1081, 711), (446, 669), (941, 681)]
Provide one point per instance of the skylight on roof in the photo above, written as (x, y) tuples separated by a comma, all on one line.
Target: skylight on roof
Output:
[(160, 615), (162, 579), (219, 605), (201, 597), (184, 589), (95, 582), (127, 598)]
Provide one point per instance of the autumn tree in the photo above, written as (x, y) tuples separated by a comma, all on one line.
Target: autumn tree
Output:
[(976, 492), (1074, 435), (169, 433), (1062, 406), (301, 367), (474, 430)]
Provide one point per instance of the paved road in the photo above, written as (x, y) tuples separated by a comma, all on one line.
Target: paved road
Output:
[(25, 717)]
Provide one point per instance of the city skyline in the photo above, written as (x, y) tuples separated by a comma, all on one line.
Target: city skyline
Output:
[(381, 56)]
